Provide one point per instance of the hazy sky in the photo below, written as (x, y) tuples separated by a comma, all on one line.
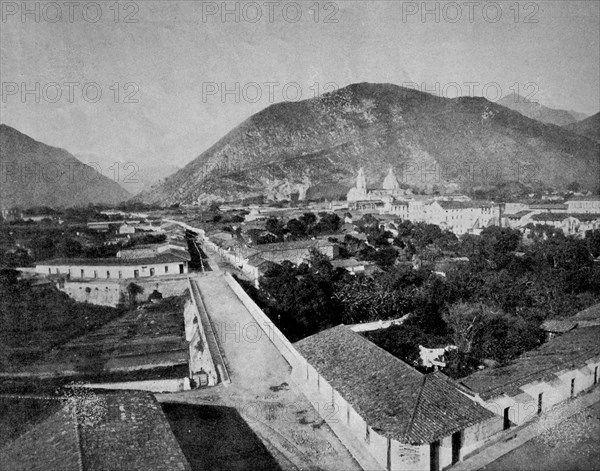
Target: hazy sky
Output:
[(172, 64)]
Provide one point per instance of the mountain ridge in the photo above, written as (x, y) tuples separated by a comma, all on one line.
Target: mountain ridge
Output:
[(589, 127), (36, 174), (316, 146), (539, 112)]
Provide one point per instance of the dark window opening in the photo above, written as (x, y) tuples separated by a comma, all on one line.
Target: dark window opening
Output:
[(540, 396), (572, 387), (506, 419)]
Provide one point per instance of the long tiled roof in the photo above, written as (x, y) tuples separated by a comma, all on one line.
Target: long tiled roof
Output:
[(117, 431), (568, 351), (393, 398), (160, 258)]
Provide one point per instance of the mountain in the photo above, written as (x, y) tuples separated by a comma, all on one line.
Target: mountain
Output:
[(316, 147), (537, 111), (35, 174), (589, 127), (134, 176), (578, 116)]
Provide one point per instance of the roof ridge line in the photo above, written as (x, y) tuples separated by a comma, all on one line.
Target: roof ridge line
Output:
[(414, 412)]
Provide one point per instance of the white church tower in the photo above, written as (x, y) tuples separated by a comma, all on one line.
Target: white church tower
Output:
[(391, 182), (359, 192)]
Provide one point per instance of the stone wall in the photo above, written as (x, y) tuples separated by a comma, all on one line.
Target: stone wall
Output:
[(110, 293)]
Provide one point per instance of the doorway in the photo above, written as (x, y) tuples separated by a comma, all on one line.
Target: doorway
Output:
[(434, 456), (506, 419), (456, 446)]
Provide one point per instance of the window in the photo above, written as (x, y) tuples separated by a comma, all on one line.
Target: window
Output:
[(107, 274), (49, 271), (120, 274), (95, 273), (368, 435), (596, 375), (166, 269), (540, 396), (82, 273), (151, 271), (572, 387), (136, 273)]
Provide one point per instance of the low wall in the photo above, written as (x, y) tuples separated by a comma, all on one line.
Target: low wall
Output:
[(111, 293), (211, 356), (155, 385), (201, 360)]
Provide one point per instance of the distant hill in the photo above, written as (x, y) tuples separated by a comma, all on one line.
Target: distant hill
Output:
[(133, 175), (35, 174), (538, 111), (589, 127), (316, 146)]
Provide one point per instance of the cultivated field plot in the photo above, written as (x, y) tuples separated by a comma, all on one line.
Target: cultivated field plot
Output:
[(150, 336)]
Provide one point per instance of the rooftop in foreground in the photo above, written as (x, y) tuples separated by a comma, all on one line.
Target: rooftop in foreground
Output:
[(396, 400), (570, 350), (98, 432)]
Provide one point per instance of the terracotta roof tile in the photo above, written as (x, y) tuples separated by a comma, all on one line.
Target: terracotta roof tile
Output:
[(391, 396)]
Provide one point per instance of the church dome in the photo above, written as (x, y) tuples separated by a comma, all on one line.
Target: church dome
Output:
[(391, 182)]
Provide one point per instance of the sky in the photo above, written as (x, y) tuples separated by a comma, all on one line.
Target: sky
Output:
[(157, 83)]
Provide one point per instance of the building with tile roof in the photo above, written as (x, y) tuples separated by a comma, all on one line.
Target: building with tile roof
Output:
[(406, 419), (167, 263), (98, 432), (556, 371)]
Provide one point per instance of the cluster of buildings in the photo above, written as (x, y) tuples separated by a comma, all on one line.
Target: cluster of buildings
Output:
[(573, 217), (142, 261), (409, 420), (461, 215), (457, 213)]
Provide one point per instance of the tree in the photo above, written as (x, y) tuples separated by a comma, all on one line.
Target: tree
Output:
[(465, 321), (133, 290), (275, 226), (309, 220)]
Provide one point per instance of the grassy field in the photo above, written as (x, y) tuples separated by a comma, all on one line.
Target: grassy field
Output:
[(570, 446)]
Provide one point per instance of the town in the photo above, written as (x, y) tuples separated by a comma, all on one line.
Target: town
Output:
[(299, 236), (234, 301)]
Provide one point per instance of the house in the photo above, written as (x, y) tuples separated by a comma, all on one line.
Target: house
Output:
[(126, 229), (95, 432), (256, 266), (296, 251), (555, 327), (351, 264), (401, 417), (584, 204), (175, 248), (558, 370), (462, 217), (164, 264), (517, 220)]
